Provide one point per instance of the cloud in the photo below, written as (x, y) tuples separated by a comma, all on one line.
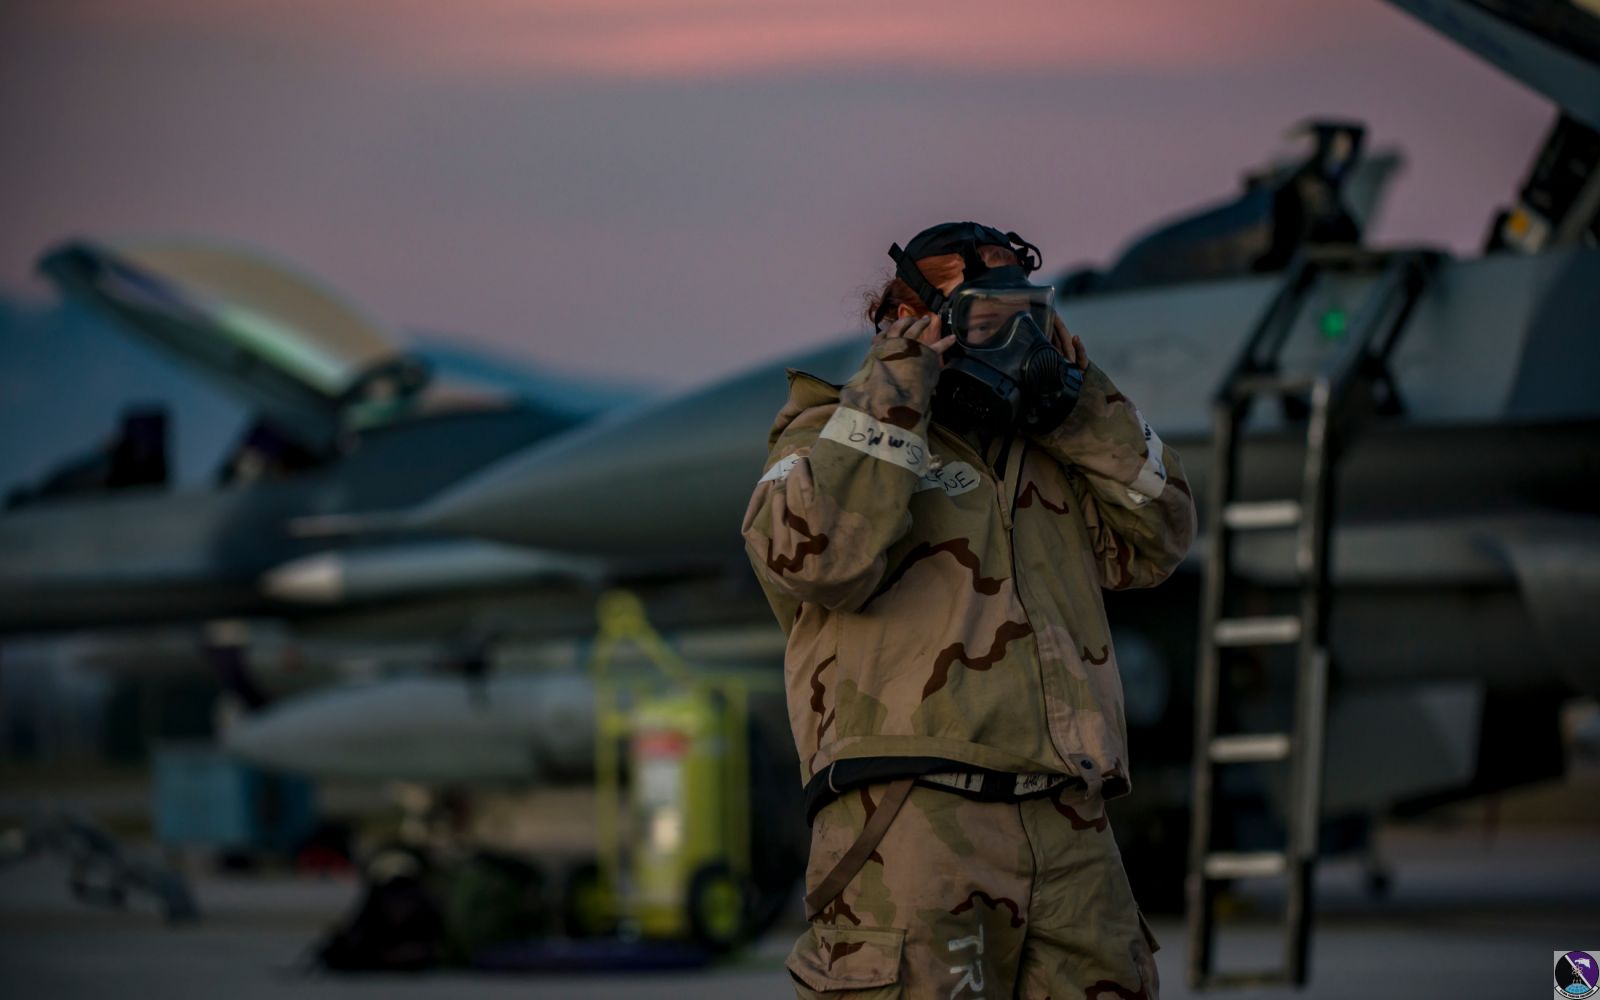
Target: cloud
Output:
[(708, 39)]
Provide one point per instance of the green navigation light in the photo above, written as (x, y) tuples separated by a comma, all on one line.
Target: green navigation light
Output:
[(1334, 323)]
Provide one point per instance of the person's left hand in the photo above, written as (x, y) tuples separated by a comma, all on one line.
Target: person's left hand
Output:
[(1068, 343)]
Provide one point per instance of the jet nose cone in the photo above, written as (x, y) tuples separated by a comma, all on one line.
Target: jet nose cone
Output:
[(668, 479)]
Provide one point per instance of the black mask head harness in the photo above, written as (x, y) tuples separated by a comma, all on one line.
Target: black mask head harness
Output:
[(1003, 373), (963, 238)]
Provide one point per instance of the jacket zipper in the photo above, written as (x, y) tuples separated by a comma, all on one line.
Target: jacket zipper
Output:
[(1069, 760)]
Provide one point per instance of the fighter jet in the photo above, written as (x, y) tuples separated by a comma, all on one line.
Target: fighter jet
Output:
[(345, 416), (1322, 190)]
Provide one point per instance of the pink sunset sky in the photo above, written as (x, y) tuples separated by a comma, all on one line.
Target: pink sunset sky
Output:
[(674, 189)]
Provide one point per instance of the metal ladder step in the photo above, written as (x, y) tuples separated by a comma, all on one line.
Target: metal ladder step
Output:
[(1263, 630), (1246, 864), (1338, 398), (1250, 748), (1246, 980), (1254, 385), (1257, 515)]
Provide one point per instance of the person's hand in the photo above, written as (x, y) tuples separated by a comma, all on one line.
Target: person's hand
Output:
[(923, 329), (1069, 343), (1077, 354)]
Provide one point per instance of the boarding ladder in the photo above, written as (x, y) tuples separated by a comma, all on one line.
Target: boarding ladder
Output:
[(1332, 399)]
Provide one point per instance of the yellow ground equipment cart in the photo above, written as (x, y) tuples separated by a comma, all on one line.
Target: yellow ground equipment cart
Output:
[(672, 796)]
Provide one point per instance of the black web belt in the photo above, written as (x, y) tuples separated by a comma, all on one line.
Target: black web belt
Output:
[(979, 783)]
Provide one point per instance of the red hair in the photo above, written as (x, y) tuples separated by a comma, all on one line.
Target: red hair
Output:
[(943, 271)]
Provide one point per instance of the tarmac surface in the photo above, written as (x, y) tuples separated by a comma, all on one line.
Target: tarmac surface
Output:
[(1472, 912)]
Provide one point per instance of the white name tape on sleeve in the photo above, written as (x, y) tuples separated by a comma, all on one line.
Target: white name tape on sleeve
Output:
[(866, 433), (955, 479), (1152, 477), (780, 469)]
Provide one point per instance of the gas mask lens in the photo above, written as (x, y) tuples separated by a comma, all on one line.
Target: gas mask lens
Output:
[(986, 319)]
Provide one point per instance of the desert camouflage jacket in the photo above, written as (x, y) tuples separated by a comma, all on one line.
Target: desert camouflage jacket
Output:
[(943, 616)]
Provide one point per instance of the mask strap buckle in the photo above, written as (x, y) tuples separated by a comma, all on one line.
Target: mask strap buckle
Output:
[(1030, 261)]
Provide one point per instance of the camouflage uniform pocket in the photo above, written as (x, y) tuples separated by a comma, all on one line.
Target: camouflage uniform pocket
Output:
[(855, 962), (1149, 976), (1149, 935)]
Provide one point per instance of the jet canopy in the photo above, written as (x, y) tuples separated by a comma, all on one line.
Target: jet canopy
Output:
[(303, 357)]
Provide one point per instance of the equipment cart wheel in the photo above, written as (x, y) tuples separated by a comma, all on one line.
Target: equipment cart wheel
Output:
[(719, 907), (587, 909)]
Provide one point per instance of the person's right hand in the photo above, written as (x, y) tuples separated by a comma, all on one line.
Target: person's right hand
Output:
[(925, 330)]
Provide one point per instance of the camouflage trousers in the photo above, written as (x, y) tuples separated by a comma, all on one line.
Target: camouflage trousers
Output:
[(970, 900)]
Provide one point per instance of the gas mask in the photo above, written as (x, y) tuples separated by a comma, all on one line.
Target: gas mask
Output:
[(1003, 374)]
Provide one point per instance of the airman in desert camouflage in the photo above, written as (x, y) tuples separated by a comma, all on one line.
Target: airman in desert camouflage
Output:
[(949, 670)]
